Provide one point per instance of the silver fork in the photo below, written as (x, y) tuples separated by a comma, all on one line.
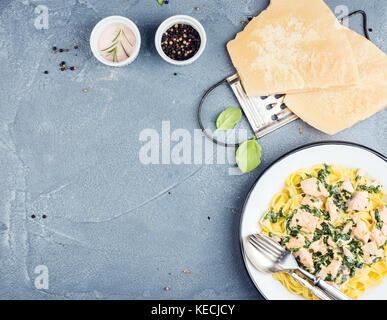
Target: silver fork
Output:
[(275, 259)]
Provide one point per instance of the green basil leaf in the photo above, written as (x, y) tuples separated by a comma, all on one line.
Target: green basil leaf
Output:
[(228, 119), (248, 155), (161, 2)]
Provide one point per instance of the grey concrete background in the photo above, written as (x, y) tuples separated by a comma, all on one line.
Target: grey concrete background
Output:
[(116, 228)]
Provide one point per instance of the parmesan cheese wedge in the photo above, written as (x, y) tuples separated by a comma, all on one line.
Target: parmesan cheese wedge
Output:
[(332, 110), (293, 46)]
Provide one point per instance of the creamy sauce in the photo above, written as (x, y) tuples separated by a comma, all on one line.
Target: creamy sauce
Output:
[(117, 42)]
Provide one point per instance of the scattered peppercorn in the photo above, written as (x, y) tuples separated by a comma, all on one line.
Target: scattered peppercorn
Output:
[(63, 63), (85, 90), (75, 47), (209, 218), (54, 48), (63, 69), (300, 131), (33, 216), (186, 271), (73, 68), (197, 8), (243, 22), (370, 30), (60, 50), (44, 216), (53, 51), (167, 288), (66, 50), (249, 18), (175, 74), (180, 42), (46, 72)]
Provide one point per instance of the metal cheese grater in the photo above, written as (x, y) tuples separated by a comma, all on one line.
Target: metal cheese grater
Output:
[(264, 114)]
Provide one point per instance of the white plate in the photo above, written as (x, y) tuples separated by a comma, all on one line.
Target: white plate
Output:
[(272, 181)]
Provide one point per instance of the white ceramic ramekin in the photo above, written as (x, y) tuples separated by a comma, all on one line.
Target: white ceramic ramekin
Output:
[(96, 33), (183, 20)]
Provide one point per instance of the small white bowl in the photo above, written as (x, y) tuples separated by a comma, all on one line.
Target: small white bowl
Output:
[(182, 19), (96, 33)]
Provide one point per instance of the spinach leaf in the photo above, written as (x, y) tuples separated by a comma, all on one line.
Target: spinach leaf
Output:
[(228, 119), (323, 174), (284, 240), (273, 216), (378, 219), (369, 189), (248, 155), (306, 208)]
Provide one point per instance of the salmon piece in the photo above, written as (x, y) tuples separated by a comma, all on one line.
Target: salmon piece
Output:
[(314, 188), (377, 236), (333, 267), (309, 237), (371, 252), (306, 220), (276, 238), (347, 253), (318, 246), (332, 209), (305, 258), (375, 183), (359, 201), (384, 230), (322, 273), (312, 202), (383, 213), (296, 242), (361, 172), (347, 227), (331, 243), (347, 186), (346, 271), (361, 231)]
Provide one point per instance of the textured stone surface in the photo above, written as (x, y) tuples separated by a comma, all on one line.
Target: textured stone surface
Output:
[(117, 228)]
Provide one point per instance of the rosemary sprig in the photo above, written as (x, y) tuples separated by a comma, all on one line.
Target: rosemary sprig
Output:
[(123, 48), (113, 52), (113, 48)]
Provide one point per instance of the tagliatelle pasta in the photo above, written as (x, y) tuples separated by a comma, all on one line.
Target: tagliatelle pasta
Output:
[(334, 221)]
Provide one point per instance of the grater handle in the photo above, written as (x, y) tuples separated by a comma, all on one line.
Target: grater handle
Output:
[(205, 132)]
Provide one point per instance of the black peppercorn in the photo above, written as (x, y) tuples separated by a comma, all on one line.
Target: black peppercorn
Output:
[(180, 42), (46, 72)]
